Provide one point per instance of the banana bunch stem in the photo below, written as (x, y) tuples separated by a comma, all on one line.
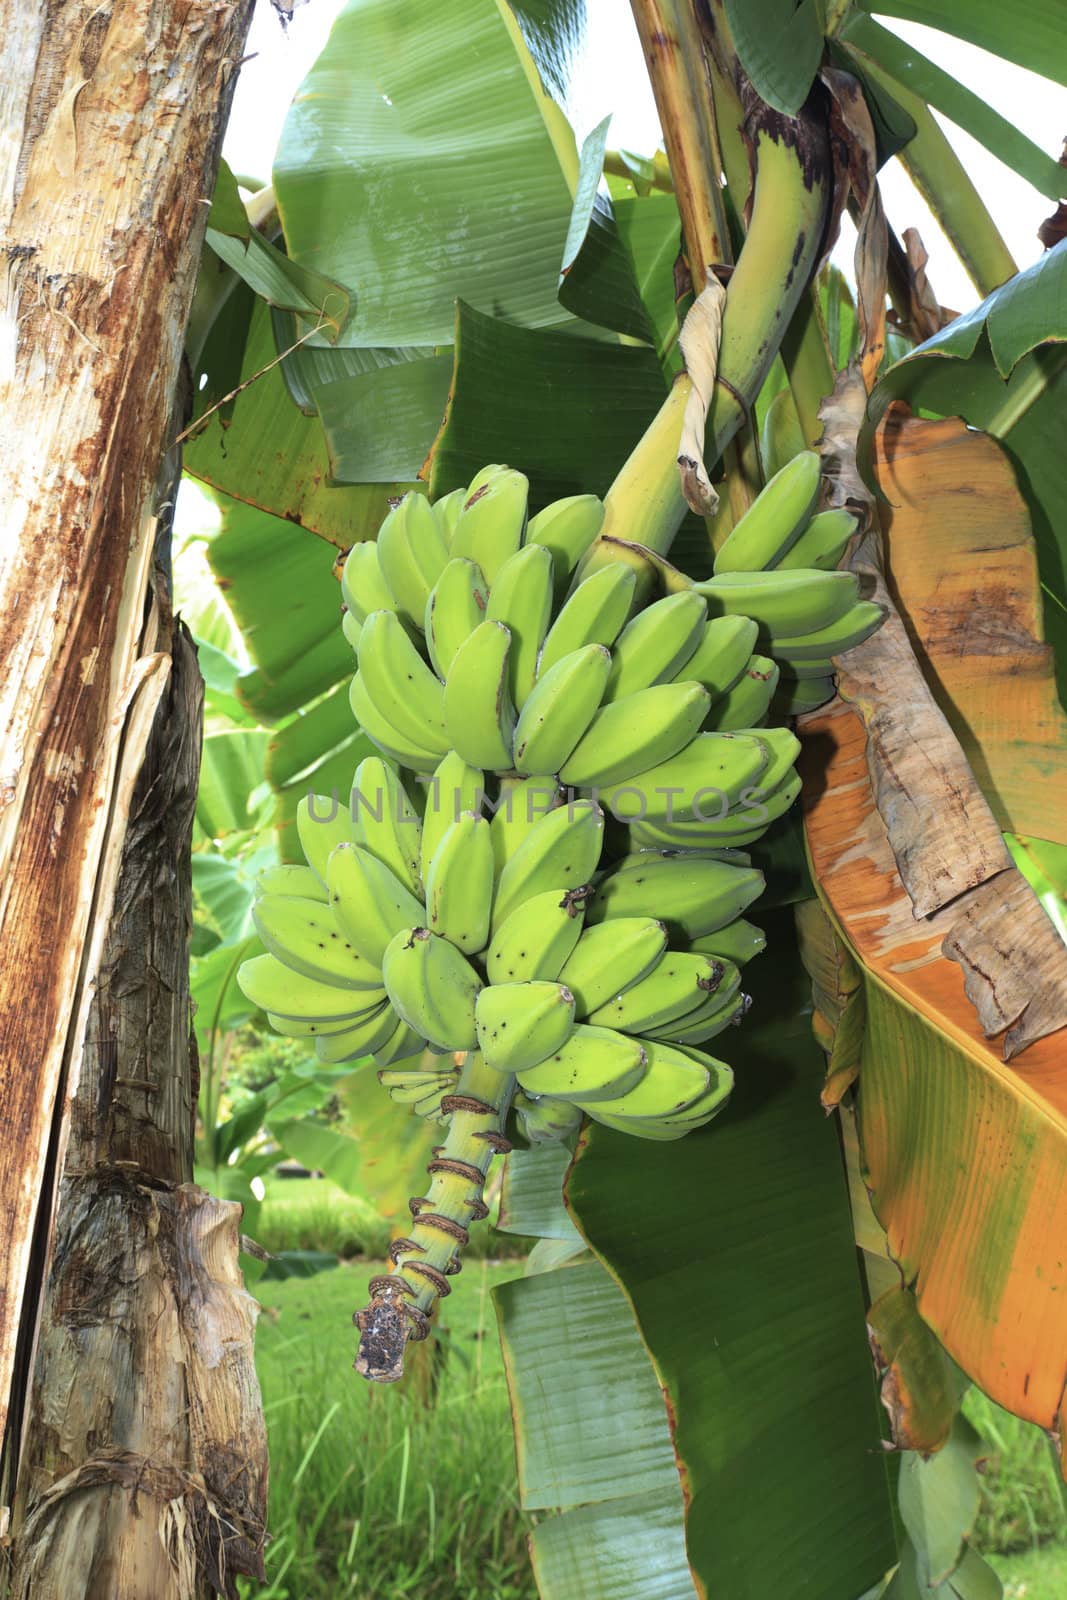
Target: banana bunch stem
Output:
[(423, 1262)]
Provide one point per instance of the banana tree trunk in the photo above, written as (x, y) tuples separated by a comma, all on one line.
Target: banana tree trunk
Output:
[(125, 1339)]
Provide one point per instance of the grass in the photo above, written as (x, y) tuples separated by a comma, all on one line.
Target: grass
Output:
[(314, 1214), (1022, 1493), (1033, 1574), (386, 1492), (375, 1493)]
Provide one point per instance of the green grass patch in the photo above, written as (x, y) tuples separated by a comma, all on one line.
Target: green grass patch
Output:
[(1033, 1574), (314, 1214), (383, 1492), (1022, 1492)]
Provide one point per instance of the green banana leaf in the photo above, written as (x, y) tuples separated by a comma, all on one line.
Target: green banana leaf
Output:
[(497, 409), (969, 111), (423, 134), (597, 274), (591, 1430), (780, 44), (1031, 35), (734, 1247)]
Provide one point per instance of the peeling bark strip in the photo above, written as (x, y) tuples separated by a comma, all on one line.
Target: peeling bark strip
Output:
[(112, 123), (143, 1468), (946, 842), (151, 1481)]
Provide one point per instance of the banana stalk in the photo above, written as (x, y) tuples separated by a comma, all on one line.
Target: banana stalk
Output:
[(400, 1302), (790, 205)]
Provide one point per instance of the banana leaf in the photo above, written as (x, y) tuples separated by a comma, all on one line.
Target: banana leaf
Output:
[(1003, 367), (1031, 35), (591, 1429), (965, 1157), (735, 1248)]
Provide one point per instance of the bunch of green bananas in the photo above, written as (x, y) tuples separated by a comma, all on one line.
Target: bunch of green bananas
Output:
[(553, 893)]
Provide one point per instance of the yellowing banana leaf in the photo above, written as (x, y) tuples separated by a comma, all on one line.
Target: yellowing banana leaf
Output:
[(735, 1248), (965, 580), (965, 1156), (1003, 368)]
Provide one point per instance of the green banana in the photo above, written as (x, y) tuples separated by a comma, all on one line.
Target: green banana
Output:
[(369, 902), (456, 605), (610, 957), (478, 709), (567, 528), (560, 852), (299, 1028), (591, 1064), (795, 699), (793, 601), (546, 1121), (321, 823), (520, 1024), (519, 807), (378, 728), (560, 708), (298, 881), (781, 437), (844, 633), (447, 510), (743, 824), (363, 585), (433, 987), (537, 938), (491, 524), (352, 629), (362, 1039), (385, 822), (459, 884), (400, 683), (636, 733), (678, 984), (595, 613), (656, 644), (675, 1125), (823, 542), (747, 703), (710, 771), (521, 598), (304, 934), (711, 1018), (412, 554), (274, 986), (739, 941), (775, 519), (453, 789), (409, 1087), (672, 1083), (402, 1044), (694, 895), (721, 656)]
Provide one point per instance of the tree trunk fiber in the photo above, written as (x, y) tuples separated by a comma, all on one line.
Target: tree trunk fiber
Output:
[(138, 1449)]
